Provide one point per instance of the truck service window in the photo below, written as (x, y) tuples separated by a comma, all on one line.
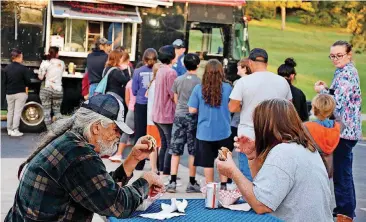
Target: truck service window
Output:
[(119, 33), (239, 49)]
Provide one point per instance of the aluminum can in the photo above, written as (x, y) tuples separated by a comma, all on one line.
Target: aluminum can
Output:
[(212, 195)]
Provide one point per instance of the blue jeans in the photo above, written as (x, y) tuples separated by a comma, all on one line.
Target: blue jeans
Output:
[(92, 88), (244, 166), (344, 188)]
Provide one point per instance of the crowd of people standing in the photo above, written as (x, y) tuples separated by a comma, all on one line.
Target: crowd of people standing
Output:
[(205, 115), (284, 158)]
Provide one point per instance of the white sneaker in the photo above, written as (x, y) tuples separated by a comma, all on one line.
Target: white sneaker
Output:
[(10, 132), (116, 158), (16, 133)]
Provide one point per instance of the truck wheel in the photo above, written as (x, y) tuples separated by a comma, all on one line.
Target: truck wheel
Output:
[(32, 116)]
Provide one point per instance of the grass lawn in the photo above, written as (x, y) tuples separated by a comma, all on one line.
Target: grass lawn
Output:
[(309, 46), (364, 128)]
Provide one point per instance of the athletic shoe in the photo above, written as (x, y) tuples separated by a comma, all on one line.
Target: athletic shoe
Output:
[(179, 184), (171, 187), (193, 188), (16, 133)]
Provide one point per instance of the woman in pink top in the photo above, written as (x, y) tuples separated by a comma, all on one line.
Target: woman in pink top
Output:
[(164, 106), (130, 101)]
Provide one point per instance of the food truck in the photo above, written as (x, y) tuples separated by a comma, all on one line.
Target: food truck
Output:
[(210, 28)]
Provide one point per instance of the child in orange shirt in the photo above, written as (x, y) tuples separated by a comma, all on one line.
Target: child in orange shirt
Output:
[(325, 132)]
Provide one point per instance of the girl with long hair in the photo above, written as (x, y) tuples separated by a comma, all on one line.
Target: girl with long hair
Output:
[(117, 80), (290, 180), (51, 95), (130, 101), (210, 100), (141, 79)]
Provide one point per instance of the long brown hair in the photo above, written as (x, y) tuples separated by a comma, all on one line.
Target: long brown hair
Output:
[(155, 69), (276, 121), (212, 80), (114, 59)]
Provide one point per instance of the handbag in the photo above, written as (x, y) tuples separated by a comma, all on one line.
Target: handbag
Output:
[(102, 85), (327, 158)]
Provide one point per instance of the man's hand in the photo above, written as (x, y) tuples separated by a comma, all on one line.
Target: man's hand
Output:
[(319, 86), (245, 145), (227, 168), (142, 149), (155, 183)]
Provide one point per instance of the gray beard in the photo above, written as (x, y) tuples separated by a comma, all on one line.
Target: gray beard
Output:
[(107, 149)]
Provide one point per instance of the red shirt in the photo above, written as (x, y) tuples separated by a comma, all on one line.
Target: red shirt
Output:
[(85, 85)]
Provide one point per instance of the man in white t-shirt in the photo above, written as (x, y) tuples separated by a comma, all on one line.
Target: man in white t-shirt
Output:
[(251, 90)]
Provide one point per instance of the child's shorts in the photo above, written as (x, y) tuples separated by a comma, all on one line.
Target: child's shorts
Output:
[(183, 132)]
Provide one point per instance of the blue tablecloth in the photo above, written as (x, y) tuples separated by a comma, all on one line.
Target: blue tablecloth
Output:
[(196, 211)]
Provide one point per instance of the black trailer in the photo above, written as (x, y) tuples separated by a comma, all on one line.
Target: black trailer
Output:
[(213, 29)]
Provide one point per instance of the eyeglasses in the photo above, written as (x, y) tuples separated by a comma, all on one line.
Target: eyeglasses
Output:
[(336, 57)]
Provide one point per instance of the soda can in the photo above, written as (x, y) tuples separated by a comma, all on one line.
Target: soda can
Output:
[(212, 195)]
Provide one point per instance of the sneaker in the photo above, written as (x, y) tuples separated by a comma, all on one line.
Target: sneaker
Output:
[(116, 158), (16, 133), (193, 188), (171, 187), (178, 182), (10, 132)]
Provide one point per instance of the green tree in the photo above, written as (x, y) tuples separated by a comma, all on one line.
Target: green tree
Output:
[(357, 26), (306, 6), (267, 9)]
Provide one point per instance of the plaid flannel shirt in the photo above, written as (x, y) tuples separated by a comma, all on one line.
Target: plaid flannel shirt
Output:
[(67, 181)]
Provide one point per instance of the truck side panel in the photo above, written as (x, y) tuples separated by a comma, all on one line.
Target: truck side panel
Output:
[(21, 27)]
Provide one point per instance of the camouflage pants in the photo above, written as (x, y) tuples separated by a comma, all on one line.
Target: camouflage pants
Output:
[(184, 132), (51, 101)]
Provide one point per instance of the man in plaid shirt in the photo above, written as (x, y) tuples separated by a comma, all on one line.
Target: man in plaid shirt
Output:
[(65, 179)]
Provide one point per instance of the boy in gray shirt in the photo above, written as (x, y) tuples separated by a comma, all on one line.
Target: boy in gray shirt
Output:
[(185, 124)]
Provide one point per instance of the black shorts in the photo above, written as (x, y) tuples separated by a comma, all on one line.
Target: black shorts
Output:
[(207, 151)]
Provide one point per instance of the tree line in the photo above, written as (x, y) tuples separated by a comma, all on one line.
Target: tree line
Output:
[(343, 14)]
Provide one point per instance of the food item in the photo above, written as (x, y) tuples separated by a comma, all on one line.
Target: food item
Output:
[(223, 153), (152, 142)]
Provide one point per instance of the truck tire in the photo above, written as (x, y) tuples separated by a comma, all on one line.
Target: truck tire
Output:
[(32, 116)]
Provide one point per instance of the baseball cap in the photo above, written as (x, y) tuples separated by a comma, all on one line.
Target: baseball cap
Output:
[(110, 107), (103, 41), (178, 43), (258, 52)]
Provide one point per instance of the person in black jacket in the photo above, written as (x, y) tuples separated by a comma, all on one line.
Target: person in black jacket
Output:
[(287, 70), (95, 63), (117, 79), (17, 78)]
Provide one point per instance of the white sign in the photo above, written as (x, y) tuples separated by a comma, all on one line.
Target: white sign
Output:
[(57, 41)]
